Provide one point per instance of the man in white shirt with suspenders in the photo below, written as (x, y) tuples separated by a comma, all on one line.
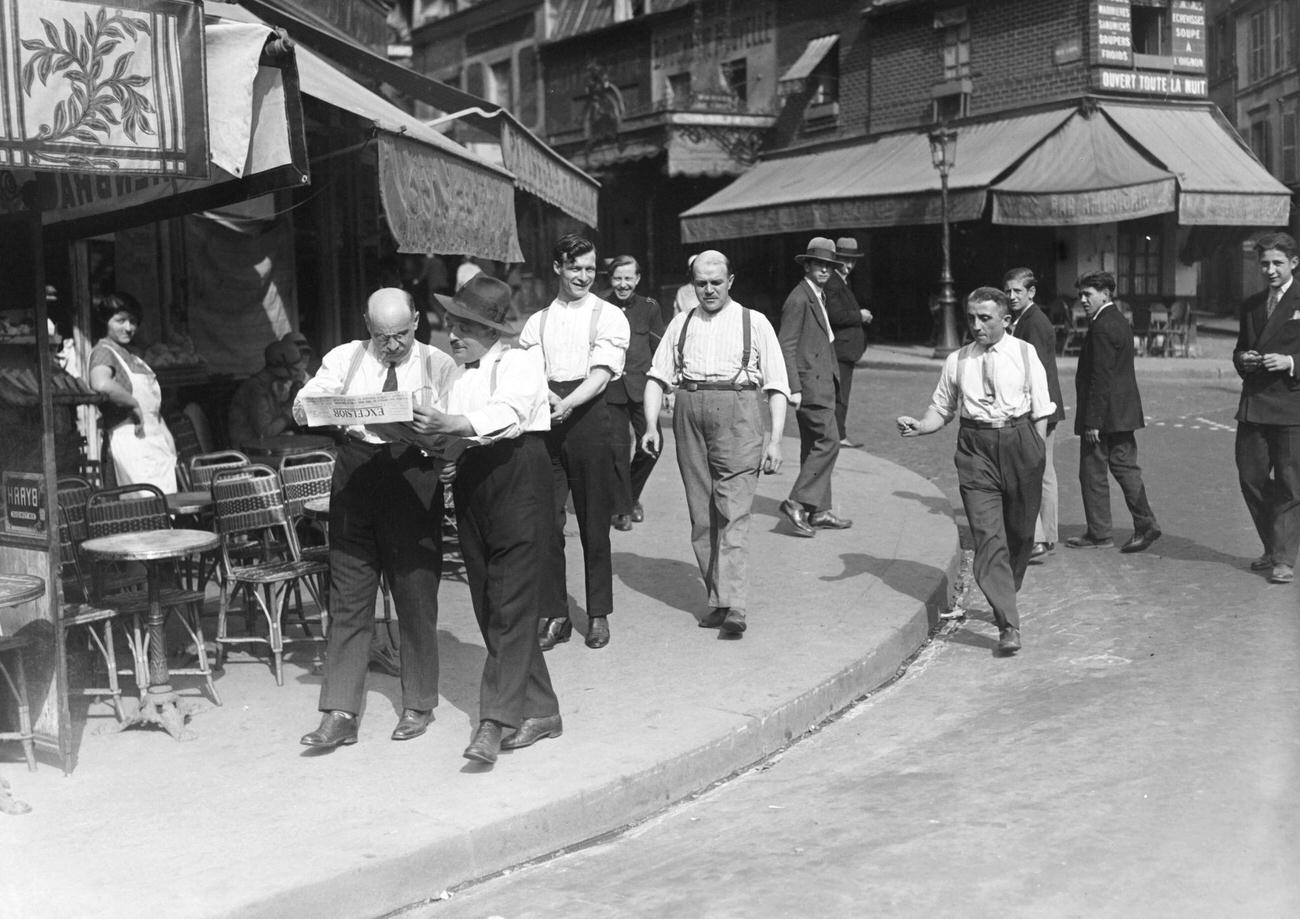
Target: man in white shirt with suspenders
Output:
[(999, 388), (584, 343), (385, 516), (718, 356)]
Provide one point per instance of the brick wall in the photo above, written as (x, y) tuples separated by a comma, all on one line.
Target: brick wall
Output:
[(799, 23)]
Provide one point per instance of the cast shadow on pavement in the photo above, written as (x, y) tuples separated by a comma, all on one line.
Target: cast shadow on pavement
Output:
[(672, 582), (1170, 546), (935, 504), (913, 579)]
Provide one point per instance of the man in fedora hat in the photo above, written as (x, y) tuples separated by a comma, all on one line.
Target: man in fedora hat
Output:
[(504, 510), (262, 406), (807, 343), (848, 319)]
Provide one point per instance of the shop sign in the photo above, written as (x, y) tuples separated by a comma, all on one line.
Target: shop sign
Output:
[(1152, 84), (25, 504), (1189, 35), (1114, 21)]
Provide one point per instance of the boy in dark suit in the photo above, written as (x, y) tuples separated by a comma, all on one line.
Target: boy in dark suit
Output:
[(1108, 411), (813, 372), (1268, 416)]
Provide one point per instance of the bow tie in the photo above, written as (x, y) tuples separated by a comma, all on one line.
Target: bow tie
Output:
[(471, 365)]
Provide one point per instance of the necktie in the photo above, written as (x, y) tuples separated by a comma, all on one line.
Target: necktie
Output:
[(1272, 304), (990, 382), (471, 365), (390, 381)]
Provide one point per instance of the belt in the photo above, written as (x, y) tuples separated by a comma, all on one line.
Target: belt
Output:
[(993, 425), (696, 386)]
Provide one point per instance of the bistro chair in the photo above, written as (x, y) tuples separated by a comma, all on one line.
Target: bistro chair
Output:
[(249, 503), (305, 476), (1157, 339), (134, 509), (204, 466), (1176, 336), (79, 614), (1078, 330)]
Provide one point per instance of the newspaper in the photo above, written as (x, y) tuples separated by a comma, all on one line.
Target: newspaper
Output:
[(345, 411)]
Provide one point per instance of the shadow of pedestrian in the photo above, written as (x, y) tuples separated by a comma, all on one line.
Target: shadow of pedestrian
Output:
[(1177, 548), (913, 579), (672, 582), (935, 504), (460, 674)]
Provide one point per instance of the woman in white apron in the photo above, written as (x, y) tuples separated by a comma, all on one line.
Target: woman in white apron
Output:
[(139, 444)]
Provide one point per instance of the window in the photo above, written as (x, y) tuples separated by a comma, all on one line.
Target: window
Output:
[(956, 51), (679, 89), (736, 75), (953, 105), (1270, 45), (501, 84), (1139, 259), (1220, 49), (1151, 31), (529, 86), (1261, 141), (1290, 141)]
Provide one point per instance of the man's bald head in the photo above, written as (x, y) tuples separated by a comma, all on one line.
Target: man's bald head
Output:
[(711, 278), (391, 319)]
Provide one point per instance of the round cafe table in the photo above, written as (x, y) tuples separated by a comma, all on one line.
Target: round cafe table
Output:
[(317, 508), (271, 450), (16, 589), (189, 503), (152, 547)]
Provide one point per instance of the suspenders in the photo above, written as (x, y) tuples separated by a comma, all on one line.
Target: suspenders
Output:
[(591, 335), (360, 353), (747, 342)]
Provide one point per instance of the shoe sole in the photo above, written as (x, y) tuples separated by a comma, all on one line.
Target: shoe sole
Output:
[(506, 745), (1142, 548), (734, 628), (1109, 544), (476, 757), (329, 746), (1281, 580), (396, 736)]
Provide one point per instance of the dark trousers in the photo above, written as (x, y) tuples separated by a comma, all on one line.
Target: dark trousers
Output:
[(503, 514), (385, 516), (582, 461), (1268, 469), (819, 446), (632, 465), (842, 397), (1118, 452), (1000, 475)]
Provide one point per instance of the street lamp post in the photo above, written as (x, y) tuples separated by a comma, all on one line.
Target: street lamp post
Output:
[(943, 152)]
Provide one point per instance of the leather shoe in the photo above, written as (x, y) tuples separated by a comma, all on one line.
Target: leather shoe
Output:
[(1263, 563), (597, 632), (1087, 542), (553, 632), (622, 522), (533, 730), (1141, 541), (1008, 641), (413, 723), (734, 622), (715, 618), (486, 743), (337, 729), (795, 513), (1281, 574), (827, 520), (638, 513), (1041, 549), (849, 444)]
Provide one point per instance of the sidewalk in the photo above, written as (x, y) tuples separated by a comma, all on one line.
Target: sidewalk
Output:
[(243, 822)]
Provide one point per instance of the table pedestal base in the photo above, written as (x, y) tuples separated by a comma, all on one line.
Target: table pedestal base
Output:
[(165, 709)]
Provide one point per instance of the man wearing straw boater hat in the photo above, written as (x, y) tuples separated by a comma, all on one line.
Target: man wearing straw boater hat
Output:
[(848, 319), (807, 342), (504, 510)]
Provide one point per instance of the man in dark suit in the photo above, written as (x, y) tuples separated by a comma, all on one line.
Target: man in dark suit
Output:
[(1031, 324), (1268, 416), (847, 320), (806, 344), (626, 395), (1108, 411)]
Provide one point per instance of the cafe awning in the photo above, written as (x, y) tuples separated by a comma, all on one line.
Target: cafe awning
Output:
[(1084, 172), (537, 169), (890, 181), (792, 81), (1220, 182)]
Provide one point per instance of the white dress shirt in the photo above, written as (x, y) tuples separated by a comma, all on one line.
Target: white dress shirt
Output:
[(516, 404), (714, 345), (820, 294), (568, 350), (1020, 383), (425, 373)]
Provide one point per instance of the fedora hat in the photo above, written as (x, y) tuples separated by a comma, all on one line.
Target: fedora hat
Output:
[(820, 249), (484, 300), (846, 247)]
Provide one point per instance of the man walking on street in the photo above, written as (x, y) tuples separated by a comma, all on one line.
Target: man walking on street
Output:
[(1268, 416), (1108, 410), (385, 517), (1029, 323), (626, 395), (998, 387), (584, 343), (810, 365), (848, 319), (718, 356)]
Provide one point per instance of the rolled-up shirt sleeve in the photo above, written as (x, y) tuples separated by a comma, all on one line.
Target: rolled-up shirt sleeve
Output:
[(771, 362), (663, 366), (613, 335), (328, 380)]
